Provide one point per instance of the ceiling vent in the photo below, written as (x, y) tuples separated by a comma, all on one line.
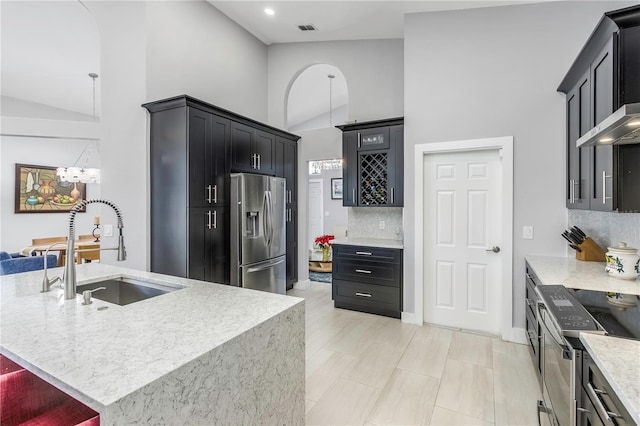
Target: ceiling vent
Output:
[(308, 27)]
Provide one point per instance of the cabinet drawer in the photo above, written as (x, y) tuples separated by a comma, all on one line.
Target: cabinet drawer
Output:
[(602, 394), (364, 252), (366, 271), (367, 298)]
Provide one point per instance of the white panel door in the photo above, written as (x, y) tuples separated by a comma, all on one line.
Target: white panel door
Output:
[(316, 207), (462, 216)]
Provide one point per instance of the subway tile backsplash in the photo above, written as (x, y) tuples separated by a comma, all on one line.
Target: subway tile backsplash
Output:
[(364, 222), (607, 229)]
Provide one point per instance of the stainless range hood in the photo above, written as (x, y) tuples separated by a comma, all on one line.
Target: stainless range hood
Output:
[(620, 128)]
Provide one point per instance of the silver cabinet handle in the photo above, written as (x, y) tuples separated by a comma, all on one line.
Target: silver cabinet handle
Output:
[(363, 294), (215, 194), (571, 191), (600, 408), (605, 176), (393, 195), (354, 196), (208, 194), (363, 271), (258, 161), (209, 219), (363, 253), (359, 139), (289, 196), (215, 219)]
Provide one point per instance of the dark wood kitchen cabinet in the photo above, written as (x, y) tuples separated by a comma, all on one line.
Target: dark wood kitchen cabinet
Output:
[(367, 279), (604, 76), (252, 150), (373, 159), (286, 161), (191, 158)]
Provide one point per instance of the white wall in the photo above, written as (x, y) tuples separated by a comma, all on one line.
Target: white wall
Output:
[(494, 72), (194, 49), (373, 70)]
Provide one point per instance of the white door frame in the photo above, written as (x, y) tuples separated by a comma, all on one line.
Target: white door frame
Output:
[(310, 239), (505, 145)]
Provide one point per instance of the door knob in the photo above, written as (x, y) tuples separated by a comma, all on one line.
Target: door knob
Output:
[(495, 249)]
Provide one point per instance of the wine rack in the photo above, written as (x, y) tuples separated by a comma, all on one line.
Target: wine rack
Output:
[(374, 179)]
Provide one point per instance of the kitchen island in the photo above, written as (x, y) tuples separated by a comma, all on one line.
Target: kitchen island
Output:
[(203, 354)]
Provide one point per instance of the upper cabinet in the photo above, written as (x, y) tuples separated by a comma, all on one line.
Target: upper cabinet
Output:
[(604, 76), (373, 158), (252, 150)]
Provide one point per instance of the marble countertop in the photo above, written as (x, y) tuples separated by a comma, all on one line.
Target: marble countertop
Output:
[(619, 361), (101, 352), (573, 273), (370, 242)]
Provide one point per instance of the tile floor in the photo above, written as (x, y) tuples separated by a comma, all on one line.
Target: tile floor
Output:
[(364, 369)]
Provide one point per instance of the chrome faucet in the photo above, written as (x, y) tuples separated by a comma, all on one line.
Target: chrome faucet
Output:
[(46, 282), (69, 277)]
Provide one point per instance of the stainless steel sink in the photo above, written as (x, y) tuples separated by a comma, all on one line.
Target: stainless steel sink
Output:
[(123, 291)]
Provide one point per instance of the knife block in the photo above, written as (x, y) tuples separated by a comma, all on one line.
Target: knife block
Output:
[(591, 251)]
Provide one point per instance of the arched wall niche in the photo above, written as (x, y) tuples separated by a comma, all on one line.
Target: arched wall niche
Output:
[(316, 101)]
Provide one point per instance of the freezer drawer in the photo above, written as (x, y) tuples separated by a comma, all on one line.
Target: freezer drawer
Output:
[(270, 275)]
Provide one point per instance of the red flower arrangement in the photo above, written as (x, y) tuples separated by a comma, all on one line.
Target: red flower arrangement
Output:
[(324, 240)]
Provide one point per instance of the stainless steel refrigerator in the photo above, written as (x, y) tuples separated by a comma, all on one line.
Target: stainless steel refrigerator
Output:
[(258, 244)]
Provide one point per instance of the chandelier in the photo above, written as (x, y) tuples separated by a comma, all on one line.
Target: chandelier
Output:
[(82, 174)]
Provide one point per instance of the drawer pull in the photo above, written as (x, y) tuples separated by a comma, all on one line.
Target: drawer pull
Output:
[(363, 253), (363, 294), (363, 271), (600, 408)]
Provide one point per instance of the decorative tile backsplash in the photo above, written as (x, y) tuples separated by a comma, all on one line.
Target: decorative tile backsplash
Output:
[(607, 229), (364, 222)]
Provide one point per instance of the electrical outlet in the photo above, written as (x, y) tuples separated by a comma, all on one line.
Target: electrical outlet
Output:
[(108, 230), (381, 224), (527, 232)]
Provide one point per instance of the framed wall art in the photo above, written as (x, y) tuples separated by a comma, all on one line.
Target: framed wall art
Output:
[(38, 190), (336, 189)]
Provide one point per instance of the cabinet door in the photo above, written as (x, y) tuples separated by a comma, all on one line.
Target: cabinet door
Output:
[(578, 159), (265, 145), (209, 245), (396, 166), (350, 168), (221, 161), (373, 178), (286, 167), (603, 70), (242, 155), (200, 148)]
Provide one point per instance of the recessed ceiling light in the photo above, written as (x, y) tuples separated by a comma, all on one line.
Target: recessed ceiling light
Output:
[(269, 12)]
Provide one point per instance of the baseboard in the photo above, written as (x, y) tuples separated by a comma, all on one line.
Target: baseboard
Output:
[(302, 285), (409, 318), (519, 335)]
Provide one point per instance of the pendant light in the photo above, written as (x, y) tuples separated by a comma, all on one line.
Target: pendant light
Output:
[(83, 174)]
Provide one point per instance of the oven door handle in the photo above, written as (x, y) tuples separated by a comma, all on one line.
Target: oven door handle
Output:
[(544, 314)]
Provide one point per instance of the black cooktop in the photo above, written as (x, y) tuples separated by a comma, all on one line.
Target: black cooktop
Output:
[(618, 313)]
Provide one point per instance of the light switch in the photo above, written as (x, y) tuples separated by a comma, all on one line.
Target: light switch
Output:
[(527, 232), (108, 230)]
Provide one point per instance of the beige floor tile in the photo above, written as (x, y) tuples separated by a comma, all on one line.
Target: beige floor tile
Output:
[(516, 386), (375, 364), (472, 348), (354, 338), (407, 399), (467, 389), (444, 417), (308, 405), (427, 352), (395, 332), (346, 403), (323, 375)]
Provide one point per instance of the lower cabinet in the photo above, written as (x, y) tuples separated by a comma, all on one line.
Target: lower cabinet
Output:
[(367, 279)]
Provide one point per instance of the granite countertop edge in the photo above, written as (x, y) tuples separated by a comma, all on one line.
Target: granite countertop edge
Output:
[(370, 242)]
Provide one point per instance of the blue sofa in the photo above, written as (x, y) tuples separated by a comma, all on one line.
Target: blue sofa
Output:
[(14, 263)]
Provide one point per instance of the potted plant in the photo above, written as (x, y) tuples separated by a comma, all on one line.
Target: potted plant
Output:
[(324, 242)]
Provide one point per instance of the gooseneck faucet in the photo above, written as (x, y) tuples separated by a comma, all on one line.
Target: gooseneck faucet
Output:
[(69, 278)]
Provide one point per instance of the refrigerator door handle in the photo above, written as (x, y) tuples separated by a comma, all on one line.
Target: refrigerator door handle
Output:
[(265, 220), (262, 268)]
